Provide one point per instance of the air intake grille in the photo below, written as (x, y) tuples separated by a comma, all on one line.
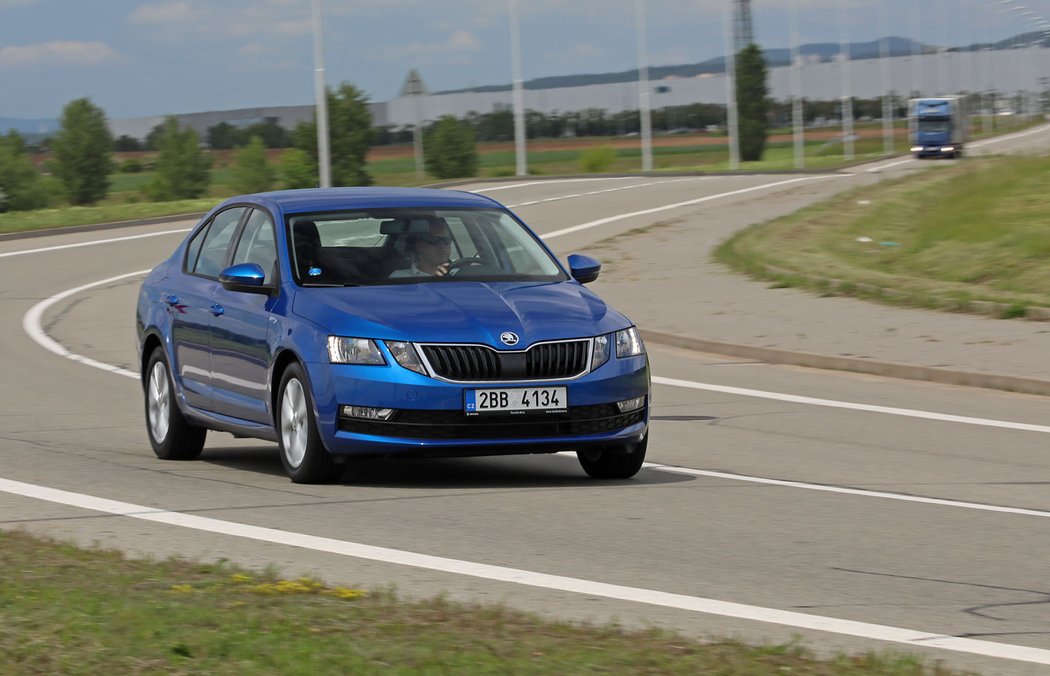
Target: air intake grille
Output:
[(474, 363)]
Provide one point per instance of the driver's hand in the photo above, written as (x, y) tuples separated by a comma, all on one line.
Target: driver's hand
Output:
[(442, 269)]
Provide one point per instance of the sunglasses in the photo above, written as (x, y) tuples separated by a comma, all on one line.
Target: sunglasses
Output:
[(434, 240)]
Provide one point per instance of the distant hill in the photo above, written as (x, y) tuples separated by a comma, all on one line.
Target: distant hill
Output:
[(819, 51)]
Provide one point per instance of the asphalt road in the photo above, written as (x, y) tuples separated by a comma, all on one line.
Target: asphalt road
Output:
[(855, 511)]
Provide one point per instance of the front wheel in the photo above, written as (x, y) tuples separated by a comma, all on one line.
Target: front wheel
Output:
[(170, 434), (305, 459), (614, 462)]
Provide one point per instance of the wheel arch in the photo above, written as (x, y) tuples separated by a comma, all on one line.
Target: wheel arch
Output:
[(150, 342), (281, 362)]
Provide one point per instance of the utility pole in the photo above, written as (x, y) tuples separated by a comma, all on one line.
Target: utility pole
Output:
[(321, 97), (645, 119), (518, 95), (732, 121)]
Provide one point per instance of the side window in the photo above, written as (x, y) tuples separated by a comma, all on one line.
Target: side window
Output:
[(194, 249), (257, 244), (217, 242)]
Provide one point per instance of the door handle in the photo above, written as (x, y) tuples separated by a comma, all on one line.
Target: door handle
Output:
[(217, 310), (171, 299)]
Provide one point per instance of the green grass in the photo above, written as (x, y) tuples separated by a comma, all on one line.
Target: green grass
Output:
[(69, 610), (126, 201), (952, 235)]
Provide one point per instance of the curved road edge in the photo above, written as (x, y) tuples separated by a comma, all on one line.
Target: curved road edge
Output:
[(834, 363)]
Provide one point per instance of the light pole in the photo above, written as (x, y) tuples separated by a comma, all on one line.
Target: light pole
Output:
[(847, 96), (732, 121), (796, 90), (321, 98), (887, 99), (643, 89), (916, 53), (518, 95)]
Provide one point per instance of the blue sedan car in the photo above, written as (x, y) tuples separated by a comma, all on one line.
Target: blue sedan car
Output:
[(351, 322)]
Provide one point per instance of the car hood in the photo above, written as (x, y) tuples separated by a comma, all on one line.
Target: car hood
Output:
[(470, 312)]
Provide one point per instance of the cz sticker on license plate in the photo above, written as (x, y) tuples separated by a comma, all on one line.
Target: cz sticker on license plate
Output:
[(516, 400)]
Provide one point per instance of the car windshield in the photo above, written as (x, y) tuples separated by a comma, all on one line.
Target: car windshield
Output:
[(408, 246)]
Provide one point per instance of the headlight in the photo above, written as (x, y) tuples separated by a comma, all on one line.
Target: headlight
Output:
[(600, 352), (354, 351), (405, 355), (629, 343)]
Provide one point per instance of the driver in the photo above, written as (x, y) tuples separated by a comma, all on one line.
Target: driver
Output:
[(429, 252)]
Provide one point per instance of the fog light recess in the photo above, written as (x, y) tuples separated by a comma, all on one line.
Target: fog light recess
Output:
[(368, 412), (630, 404)]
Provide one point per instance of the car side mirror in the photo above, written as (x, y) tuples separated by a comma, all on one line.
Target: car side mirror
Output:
[(244, 277), (584, 269)]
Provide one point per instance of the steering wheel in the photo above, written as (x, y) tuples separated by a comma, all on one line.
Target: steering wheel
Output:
[(460, 263)]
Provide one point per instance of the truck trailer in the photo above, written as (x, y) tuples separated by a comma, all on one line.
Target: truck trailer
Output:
[(938, 127)]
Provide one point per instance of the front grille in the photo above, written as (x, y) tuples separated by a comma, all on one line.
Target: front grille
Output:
[(479, 363), (444, 425)]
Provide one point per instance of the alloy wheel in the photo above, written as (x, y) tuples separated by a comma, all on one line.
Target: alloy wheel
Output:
[(159, 402), (294, 420)]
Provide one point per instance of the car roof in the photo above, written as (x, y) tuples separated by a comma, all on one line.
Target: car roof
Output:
[(332, 199)]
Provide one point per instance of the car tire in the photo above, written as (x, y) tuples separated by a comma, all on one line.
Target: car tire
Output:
[(305, 459), (170, 434), (614, 462)]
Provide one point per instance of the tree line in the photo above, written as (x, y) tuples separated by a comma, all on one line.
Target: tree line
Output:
[(81, 155)]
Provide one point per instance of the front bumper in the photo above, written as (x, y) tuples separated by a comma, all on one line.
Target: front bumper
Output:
[(429, 418)]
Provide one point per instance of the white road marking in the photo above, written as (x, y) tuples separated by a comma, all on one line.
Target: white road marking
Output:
[(978, 144), (551, 182), (677, 205), (875, 170), (1009, 137), (959, 504), (32, 325), (93, 242), (890, 410), (600, 192), (911, 637)]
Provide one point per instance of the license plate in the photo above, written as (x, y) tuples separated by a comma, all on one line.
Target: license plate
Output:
[(516, 400)]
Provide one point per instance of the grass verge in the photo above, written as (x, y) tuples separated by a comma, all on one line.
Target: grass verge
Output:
[(969, 237), (70, 610)]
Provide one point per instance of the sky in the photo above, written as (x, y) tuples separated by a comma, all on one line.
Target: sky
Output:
[(181, 56)]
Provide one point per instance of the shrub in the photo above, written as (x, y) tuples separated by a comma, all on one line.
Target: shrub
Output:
[(251, 171), (450, 149), (597, 160)]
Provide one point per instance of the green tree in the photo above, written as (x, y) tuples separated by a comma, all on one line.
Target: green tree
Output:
[(126, 144), (182, 168), (20, 185), (152, 141), (251, 172), (83, 158), (752, 99), (223, 136), (298, 170), (350, 135), (272, 134), (450, 149)]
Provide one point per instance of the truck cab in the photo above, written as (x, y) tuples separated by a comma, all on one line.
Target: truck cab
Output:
[(937, 127)]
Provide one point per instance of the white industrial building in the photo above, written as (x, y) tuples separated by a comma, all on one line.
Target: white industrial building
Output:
[(1005, 72)]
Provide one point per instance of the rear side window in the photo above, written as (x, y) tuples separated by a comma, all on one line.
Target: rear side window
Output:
[(208, 257)]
